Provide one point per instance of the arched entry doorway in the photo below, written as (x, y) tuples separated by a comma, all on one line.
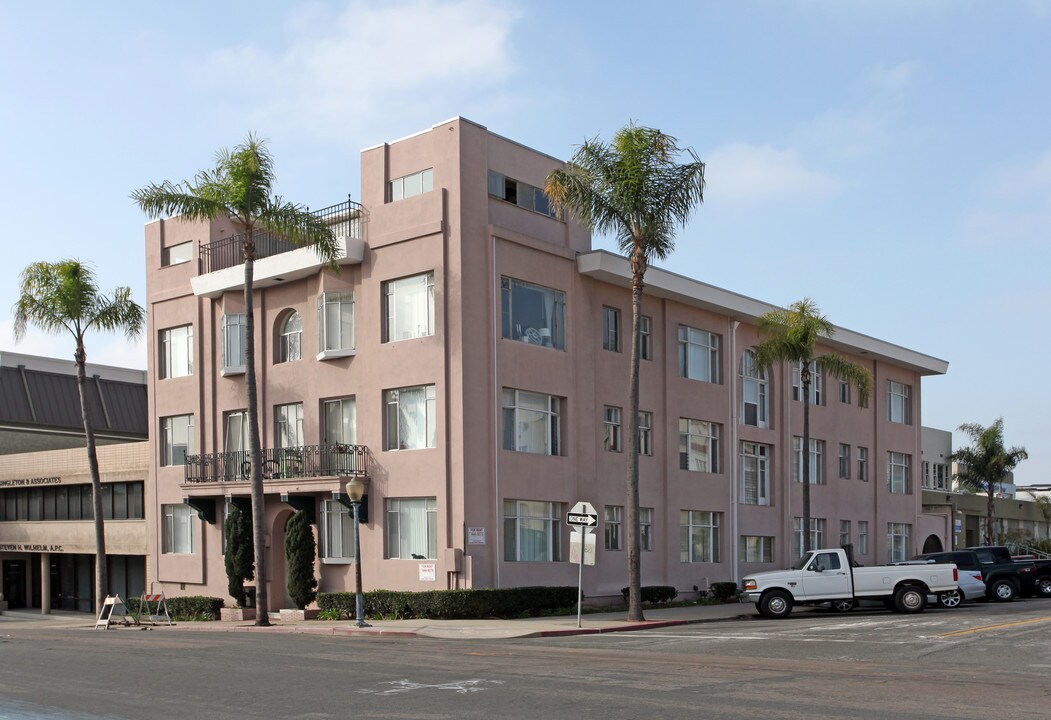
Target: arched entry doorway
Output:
[(933, 543), (278, 567)]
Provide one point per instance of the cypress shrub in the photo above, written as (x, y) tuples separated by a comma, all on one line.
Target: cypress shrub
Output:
[(240, 553), (300, 553)]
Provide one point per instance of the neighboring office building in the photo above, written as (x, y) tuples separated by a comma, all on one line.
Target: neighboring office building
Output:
[(471, 360), (47, 537)]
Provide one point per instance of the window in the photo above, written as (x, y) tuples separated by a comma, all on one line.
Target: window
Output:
[(340, 420), (645, 433), (176, 352), (863, 464), (611, 424), (936, 476), (532, 313), (844, 392), (177, 528), (234, 338), (844, 461), (899, 409), (120, 501), (754, 392), (412, 528), (335, 323), (611, 329), (613, 527), (863, 537), (645, 338), (898, 473), (817, 466), (757, 549), (817, 535), (411, 418), (844, 533), (411, 185), (531, 422), (698, 354), (337, 531), (408, 307), (898, 542), (177, 254), (755, 474), (519, 193), (646, 528), (236, 431), (816, 384), (699, 536), (177, 438), (291, 343), (288, 425), (698, 445), (532, 531)]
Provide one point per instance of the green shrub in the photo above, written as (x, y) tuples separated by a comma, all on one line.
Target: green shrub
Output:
[(654, 593), (723, 590), (193, 607), (300, 554), (452, 604), (240, 553)]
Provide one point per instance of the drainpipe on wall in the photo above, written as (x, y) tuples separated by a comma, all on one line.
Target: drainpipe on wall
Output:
[(497, 539), (732, 367)]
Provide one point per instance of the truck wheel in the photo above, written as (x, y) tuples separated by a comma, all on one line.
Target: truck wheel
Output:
[(1002, 591), (842, 605), (910, 599), (950, 598), (776, 604), (1043, 587)]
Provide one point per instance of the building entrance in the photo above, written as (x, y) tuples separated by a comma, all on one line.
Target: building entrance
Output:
[(15, 583)]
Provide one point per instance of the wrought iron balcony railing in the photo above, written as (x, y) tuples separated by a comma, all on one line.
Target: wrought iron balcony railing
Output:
[(344, 219), (329, 460)]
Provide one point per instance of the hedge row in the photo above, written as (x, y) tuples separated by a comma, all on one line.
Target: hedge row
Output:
[(452, 604), (183, 608), (654, 593)]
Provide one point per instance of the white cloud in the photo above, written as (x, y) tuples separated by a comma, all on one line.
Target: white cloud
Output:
[(742, 173), (1016, 210)]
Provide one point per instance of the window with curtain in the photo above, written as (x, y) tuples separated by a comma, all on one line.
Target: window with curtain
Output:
[(411, 419), (531, 422), (177, 525), (757, 548), (817, 461), (754, 392), (613, 526), (335, 322), (412, 528), (699, 536), (755, 474), (177, 439), (532, 313), (611, 425), (291, 341), (408, 307), (532, 531), (288, 421), (337, 531)]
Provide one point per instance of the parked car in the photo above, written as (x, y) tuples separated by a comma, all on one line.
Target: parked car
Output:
[(1042, 584), (1005, 578), (971, 583)]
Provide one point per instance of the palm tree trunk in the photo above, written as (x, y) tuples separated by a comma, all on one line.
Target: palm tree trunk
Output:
[(101, 575), (804, 375), (631, 509), (254, 448)]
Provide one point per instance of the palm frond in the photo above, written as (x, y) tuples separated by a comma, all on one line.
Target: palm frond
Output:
[(300, 227), (842, 369)]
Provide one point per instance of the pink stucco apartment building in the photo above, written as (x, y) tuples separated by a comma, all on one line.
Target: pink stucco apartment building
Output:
[(470, 360)]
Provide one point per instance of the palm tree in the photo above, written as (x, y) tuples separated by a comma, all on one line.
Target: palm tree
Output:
[(64, 297), (791, 335), (241, 188), (984, 465), (635, 189)]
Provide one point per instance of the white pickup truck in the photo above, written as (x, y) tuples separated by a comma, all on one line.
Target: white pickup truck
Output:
[(823, 576)]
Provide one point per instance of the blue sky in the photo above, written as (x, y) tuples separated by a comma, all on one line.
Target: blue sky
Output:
[(888, 158)]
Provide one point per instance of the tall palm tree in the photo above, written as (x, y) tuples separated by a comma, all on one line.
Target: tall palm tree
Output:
[(241, 188), (984, 465), (635, 189), (791, 336), (64, 297)]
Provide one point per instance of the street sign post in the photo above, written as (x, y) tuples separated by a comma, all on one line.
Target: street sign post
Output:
[(582, 546)]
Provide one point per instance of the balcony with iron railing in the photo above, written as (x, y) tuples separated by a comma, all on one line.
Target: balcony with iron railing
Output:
[(335, 460)]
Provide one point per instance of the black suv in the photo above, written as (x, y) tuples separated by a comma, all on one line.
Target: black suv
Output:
[(997, 561)]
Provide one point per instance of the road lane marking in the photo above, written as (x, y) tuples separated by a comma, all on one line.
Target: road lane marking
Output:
[(999, 626)]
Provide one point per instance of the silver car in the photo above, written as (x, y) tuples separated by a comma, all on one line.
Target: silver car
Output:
[(970, 583)]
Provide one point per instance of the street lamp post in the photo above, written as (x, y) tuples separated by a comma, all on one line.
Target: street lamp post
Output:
[(356, 490)]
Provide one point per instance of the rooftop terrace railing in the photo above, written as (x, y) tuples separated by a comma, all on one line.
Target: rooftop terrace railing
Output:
[(328, 460)]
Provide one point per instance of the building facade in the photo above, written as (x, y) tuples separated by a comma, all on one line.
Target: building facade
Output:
[(470, 360)]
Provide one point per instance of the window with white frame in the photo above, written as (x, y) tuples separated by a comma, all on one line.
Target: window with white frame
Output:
[(611, 426), (844, 533), (936, 476), (699, 536), (844, 392), (863, 537), (816, 384), (646, 528), (863, 464), (337, 531), (645, 433), (340, 416), (408, 307), (234, 339), (532, 313), (898, 473), (844, 461), (411, 185), (176, 352), (412, 528), (519, 193), (645, 338), (335, 322), (754, 392), (611, 329), (236, 431), (411, 418), (614, 524), (817, 535), (532, 422), (698, 445), (757, 549), (290, 342), (177, 528), (177, 254), (288, 425), (532, 531), (755, 473), (698, 354), (176, 439), (898, 542), (899, 409), (817, 465)]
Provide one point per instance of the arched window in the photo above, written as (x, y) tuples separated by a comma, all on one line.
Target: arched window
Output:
[(291, 343), (754, 392)]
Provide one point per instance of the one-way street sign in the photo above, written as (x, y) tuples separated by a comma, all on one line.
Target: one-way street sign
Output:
[(582, 515)]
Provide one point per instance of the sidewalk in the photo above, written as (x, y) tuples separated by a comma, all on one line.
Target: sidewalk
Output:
[(444, 629)]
